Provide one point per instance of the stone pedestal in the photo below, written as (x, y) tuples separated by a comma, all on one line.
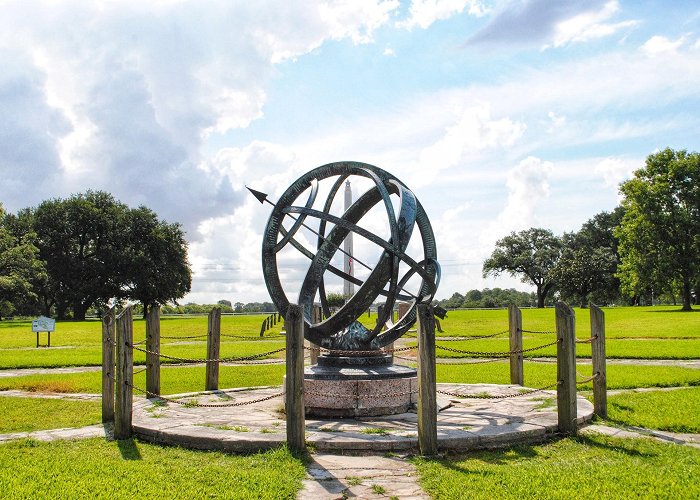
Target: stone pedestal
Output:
[(358, 387)]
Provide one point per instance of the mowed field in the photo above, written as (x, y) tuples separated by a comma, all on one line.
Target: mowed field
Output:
[(653, 349)]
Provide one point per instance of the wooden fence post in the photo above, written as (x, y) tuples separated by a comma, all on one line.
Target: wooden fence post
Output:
[(566, 369), (108, 340), (427, 403), (213, 349), (294, 380), (316, 317), (124, 375), (515, 325), (153, 345), (600, 392)]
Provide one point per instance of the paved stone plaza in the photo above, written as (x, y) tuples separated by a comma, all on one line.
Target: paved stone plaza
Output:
[(463, 424)]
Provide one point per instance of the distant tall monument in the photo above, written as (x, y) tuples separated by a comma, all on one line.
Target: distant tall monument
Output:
[(348, 287)]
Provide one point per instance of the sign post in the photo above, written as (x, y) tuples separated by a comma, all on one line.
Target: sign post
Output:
[(43, 324)]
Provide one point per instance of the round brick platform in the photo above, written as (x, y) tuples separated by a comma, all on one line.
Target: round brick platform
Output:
[(463, 424)]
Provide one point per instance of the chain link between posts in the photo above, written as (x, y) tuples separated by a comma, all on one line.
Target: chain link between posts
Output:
[(476, 337), (495, 397), (192, 404), (503, 354), (219, 360)]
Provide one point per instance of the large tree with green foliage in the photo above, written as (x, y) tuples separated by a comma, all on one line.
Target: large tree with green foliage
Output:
[(80, 240), (154, 264), (97, 248), (660, 232), (588, 263), (20, 268), (530, 254)]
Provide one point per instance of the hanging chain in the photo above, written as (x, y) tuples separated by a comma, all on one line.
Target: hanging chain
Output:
[(220, 360), (497, 354), (494, 397), (203, 405)]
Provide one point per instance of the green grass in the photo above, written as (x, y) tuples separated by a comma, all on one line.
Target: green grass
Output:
[(631, 332), (586, 467), (652, 322), (614, 348), (674, 411), (543, 374), (33, 414), (130, 469), (80, 343), (176, 380)]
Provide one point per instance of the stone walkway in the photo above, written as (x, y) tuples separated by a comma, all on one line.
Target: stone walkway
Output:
[(363, 476)]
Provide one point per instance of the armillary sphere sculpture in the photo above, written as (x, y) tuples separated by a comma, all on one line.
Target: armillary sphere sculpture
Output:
[(388, 278)]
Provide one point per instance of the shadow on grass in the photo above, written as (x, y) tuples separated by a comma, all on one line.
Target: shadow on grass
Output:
[(521, 453), (696, 310), (129, 449)]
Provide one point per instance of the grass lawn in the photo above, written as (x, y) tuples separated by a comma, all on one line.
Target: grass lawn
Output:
[(174, 380), (614, 348), (585, 467), (620, 322), (632, 332), (186, 379), (674, 411), (130, 469), (32, 414)]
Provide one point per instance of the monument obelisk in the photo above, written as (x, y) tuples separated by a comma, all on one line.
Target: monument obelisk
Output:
[(348, 287)]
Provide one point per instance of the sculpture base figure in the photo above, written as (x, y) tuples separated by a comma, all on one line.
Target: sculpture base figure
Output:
[(366, 386)]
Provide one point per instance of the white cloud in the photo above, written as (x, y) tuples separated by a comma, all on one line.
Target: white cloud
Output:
[(132, 90), (473, 131), (356, 19), (423, 13), (658, 45), (528, 185), (589, 25), (615, 170)]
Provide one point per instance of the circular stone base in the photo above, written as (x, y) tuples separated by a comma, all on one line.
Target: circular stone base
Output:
[(466, 424), (359, 391)]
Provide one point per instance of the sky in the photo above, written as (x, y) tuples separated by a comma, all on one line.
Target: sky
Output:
[(498, 115)]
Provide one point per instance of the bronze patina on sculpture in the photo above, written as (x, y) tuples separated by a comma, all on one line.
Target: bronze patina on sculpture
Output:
[(353, 352)]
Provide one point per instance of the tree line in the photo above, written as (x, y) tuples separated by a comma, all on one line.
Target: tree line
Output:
[(647, 246), (65, 256)]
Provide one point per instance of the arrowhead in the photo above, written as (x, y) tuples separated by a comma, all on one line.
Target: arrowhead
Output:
[(260, 196)]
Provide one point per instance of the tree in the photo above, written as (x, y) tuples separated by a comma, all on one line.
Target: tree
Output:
[(335, 300), (531, 254), (588, 263), (660, 231), (153, 267), (583, 269), (80, 240), (20, 268)]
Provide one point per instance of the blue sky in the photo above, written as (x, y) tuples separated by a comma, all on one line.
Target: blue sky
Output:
[(499, 115)]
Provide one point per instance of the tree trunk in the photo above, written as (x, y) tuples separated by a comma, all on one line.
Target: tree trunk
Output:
[(686, 296), (79, 311), (61, 309), (540, 297)]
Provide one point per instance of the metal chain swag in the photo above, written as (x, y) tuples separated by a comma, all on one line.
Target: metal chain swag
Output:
[(204, 405), (493, 397), (503, 354), (219, 360)]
